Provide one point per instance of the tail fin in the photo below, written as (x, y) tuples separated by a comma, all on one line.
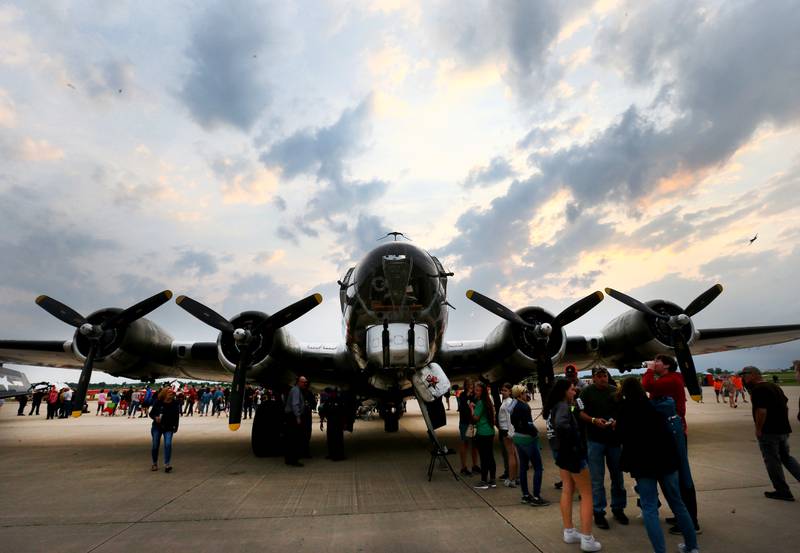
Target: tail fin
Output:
[(12, 383)]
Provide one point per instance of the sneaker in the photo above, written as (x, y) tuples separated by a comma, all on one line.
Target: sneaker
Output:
[(779, 495), (476, 469), (682, 549), (526, 499), (558, 485), (492, 484), (539, 502), (516, 482), (509, 483), (481, 485), (672, 521), (600, 521), (620, 516), (571, 535), (588, 543), (465, 472)]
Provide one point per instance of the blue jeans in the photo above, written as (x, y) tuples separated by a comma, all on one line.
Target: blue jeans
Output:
[(157, 433), (529, 455), (599, 454), (648, 498)]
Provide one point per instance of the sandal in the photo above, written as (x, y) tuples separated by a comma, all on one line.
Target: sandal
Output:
[(154, 468)]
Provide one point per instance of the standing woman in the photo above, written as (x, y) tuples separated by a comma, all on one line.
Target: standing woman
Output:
[(165, 414), (571, 459), (650, 454), (483, 417), (464, 422), (526, 441), (511, 472)]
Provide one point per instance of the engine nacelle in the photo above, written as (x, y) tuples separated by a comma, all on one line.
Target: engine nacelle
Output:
[(638, 335), (228, 350), (512, 340), (127, 348)]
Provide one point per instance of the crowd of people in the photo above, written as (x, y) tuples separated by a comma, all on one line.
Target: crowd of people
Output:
[(638, 427)]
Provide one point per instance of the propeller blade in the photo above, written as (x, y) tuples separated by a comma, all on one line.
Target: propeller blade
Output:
[(686, 364), (545, 376), (126, 317), (205, 314), (497, 308), (61, 311), (290, 313), (702, 301), (237, 390), (79, 397), (579, 308), (634, 303)]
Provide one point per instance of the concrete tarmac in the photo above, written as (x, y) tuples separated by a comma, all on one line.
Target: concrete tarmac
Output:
[(85, 485)]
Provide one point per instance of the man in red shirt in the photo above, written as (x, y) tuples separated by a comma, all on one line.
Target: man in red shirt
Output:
[(662, 380)]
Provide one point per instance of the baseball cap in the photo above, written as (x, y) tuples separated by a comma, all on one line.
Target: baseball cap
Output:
[(599, 370), (749, 370)]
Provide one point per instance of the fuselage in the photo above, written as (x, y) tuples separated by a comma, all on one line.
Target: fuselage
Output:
[(395, 284)]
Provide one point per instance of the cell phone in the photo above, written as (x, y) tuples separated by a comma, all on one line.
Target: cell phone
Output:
[(609, 422)]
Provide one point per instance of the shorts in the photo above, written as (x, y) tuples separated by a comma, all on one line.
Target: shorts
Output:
[(462, 432), (582, 464), (503, 434)]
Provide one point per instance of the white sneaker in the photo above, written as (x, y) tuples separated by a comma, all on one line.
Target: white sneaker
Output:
[(588, 543), (682, 549), (509, 483), (571, 535)]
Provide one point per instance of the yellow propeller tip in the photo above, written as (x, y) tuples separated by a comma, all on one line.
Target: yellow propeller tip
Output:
[(179, 299), (234, 427), (719, 287), (168, 294), (469, 293), (40, 299), (608, 290), (318, 297), (76, 414), (697, 398), (599, 295)]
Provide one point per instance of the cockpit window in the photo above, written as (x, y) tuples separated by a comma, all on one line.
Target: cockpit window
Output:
[(396, 277)]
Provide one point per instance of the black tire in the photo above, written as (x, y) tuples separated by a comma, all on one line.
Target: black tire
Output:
[(391, 421), (267, 435)]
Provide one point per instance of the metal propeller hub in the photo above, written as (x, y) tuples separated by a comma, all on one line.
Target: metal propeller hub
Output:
[(241, 336)]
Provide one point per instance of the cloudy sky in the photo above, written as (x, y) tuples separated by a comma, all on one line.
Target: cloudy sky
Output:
[(247, 153)]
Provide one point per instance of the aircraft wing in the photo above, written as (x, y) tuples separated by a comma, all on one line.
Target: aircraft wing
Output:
[(42, 353), (713, 340)]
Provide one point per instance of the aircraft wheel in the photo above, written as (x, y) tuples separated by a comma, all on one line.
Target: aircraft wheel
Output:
[(267, 435), (391, 420)]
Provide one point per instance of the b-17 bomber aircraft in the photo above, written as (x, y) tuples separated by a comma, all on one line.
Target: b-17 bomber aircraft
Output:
[(394, 313)]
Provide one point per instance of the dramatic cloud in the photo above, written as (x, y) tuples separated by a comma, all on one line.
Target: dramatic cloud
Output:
[(322, 151), (517, 35), (227, 83), (638, 153), (498, 169), (196, 263)]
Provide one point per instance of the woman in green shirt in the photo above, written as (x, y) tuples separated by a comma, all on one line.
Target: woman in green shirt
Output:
[(483, 417)]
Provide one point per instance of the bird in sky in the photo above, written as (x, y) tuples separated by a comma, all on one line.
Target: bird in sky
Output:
[(753, 239), (72, 86)]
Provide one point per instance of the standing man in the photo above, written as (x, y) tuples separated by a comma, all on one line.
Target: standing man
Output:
[(38, 393), (771, 417), (295, 425), (598, 409), (23, 401), (662, 380), (571, 373)]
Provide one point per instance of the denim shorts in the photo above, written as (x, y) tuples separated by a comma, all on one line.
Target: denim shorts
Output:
[(462, 432)]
